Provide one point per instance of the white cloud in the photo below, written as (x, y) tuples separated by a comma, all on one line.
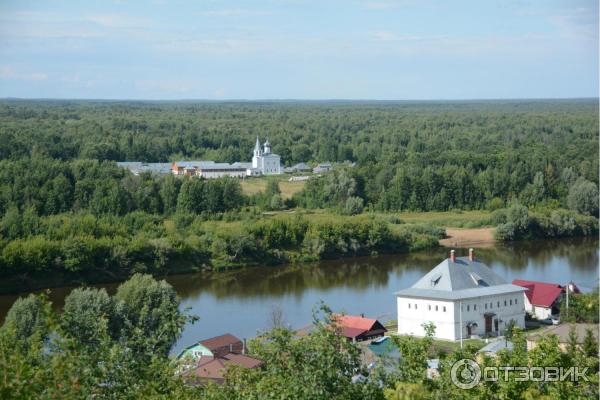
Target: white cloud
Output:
[(9, 73), (119, 21), (234, 12)]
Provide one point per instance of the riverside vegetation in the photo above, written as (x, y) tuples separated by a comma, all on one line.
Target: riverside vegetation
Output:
[(116, 347), (69, 214)]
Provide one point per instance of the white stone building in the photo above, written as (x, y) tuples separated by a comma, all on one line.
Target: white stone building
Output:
[(264, 161), (461, 297)]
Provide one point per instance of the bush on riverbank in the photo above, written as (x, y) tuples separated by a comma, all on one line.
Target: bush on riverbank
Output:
[(518, 223), (84, 247)]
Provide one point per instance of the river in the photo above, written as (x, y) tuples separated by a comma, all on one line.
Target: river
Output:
[(241, 302)]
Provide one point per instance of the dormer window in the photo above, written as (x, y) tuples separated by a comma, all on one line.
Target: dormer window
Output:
[(436, 279), (478, 279)]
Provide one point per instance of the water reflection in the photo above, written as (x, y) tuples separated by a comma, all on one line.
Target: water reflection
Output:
[(240, 301)]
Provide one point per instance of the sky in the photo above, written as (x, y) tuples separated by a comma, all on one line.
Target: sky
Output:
[(299, 49)]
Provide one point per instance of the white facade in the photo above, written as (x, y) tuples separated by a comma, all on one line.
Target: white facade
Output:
[(461, 297), (540, 312), (266, 162), (446, 315)]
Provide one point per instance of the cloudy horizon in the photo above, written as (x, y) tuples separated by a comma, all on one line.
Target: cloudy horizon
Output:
[(295, 49)]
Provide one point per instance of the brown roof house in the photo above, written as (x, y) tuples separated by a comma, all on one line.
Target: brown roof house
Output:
[(562, 331), (208, 360)]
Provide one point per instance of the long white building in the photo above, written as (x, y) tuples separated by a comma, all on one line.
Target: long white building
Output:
[(461, 297)]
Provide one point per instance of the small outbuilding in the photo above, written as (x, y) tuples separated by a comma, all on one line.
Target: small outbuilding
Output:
[(542, 299), (359, 328)]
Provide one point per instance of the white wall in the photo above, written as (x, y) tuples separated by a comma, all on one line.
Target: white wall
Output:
[(411, 319), (208, 174), (448, 323)]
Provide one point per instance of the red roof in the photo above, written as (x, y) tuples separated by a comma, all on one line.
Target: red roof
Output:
[(352, 326), (541, 293), (350, 321)]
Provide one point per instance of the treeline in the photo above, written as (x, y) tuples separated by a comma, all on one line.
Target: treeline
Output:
[(45, 186), (449, 187), (518, 223), (409, 156), (85, 247)]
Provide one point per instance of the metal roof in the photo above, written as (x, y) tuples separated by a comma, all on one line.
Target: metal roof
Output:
[(458, 275), (496, 345), (459, 294)]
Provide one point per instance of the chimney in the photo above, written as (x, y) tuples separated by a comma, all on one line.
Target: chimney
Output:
[(452, 256), (471, 255), (362, 315), (244, 346)]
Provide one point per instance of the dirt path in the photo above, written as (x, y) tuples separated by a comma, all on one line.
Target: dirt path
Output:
[(478, 237)]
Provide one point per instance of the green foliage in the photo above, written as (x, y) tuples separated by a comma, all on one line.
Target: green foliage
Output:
[(147, 312), (518, 223), (354, 205), (70, 363), (583, 307), (319, 365), (85, 315), (583, 197), (28, 316)]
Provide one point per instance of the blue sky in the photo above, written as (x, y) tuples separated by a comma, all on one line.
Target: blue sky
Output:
[(299, 49)]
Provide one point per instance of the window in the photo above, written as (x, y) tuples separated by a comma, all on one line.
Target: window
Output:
[(491, 305), (444, 308), (429, 306), (436, 308), (474, 307), (515, 301), (504, 303), (498, 305), (408, 305), (511, 302), (415, 306), (468, 308), (486, 306)]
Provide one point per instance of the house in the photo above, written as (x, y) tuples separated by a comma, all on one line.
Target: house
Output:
[(543, 299), (224, 344), (360, 328), (321, 168), (208, 359), (264, 161), (563, 331), (462, 297), (211, 368), (210, 169), (138, 167), (215, 346), (300, 167)]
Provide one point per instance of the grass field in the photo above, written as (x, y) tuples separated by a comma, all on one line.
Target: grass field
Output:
[(252, 186)]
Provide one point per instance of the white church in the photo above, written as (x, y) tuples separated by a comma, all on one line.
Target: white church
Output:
[(462, 297), (264, 161)]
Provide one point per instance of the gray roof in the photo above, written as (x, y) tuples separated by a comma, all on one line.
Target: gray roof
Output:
[(302, 166), (208, 165), (137, 167), (460, 279), (459, 294), (497, 345)]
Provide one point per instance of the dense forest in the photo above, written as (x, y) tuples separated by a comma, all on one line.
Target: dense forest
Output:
[(67, 208), (420, 156)]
